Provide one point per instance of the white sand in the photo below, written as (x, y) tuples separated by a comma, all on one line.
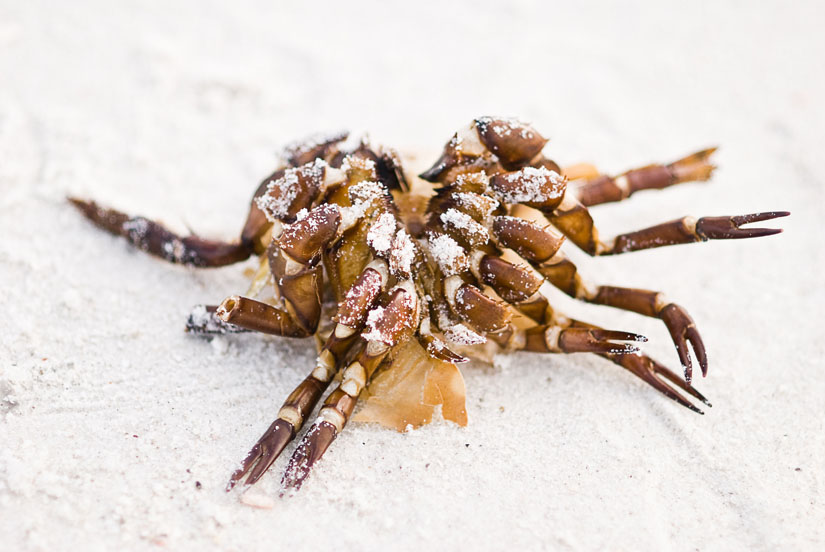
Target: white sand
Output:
[(110, 414)]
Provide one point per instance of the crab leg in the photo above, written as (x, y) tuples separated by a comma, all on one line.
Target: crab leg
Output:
[(654, 374), (157, 240), (352, 314), (387, 327), (606, 189), (555, 338), (550, 336), (573, 219), (659, 377), (563, 274), (537, 245)]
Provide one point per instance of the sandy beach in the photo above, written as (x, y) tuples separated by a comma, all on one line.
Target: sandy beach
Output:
[(119, 431)]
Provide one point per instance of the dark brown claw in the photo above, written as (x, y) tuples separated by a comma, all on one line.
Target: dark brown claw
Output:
[(312, 447), (599, 341), (548, 339), (683, 330), (728, 228), (264, 453), (660, 378), (157, 240)]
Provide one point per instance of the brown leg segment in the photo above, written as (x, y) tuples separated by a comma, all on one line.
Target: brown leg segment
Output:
[(555, 338), (679, 323), (688, 230), (642, 366), (259, 317), (352, 314), (659, 377), (606, 189), (156, 240), (563, 274), (574, 220), (385, 329), (294, 262)]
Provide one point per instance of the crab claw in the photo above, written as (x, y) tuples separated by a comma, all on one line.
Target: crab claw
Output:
[(550, 338), (582, 340), (264, 453), (683, 330), (314, 444), (660, 378), (728, 228)]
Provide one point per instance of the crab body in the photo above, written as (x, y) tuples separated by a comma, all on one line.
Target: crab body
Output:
[(401, 278)]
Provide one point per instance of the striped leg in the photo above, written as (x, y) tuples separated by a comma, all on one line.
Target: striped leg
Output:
[(573, 219), (304, 178), (547, 191), (352, 314), (157, 240), (538, 245), (563, 274), (386, 327), (598, 189), (654, 374), (550, 337)]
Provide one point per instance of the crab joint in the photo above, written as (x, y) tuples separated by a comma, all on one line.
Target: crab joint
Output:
[(354, 379), (325, 366)]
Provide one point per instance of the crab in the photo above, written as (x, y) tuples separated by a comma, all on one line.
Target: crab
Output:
[(400, 279)]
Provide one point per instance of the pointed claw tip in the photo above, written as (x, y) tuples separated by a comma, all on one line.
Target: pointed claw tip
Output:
[(81, 204)]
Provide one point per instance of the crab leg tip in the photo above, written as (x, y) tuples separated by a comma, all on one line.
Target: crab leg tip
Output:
[(312, 447), (263, 454)]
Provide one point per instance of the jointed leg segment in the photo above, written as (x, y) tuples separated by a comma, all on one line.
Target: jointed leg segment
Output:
[(573, 219), (156, 240), (605, 189)]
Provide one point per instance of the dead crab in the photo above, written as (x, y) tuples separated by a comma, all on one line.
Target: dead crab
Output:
[(398, 279)]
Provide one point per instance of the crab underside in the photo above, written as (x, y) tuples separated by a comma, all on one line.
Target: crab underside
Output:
[(401, 278)]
